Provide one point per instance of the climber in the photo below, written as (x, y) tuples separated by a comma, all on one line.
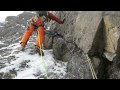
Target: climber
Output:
[(38, 22)]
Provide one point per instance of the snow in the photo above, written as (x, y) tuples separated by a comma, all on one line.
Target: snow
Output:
[(34, 63), (31, 12), (1, 26), (4, 14), (1, 42), (48, 28)]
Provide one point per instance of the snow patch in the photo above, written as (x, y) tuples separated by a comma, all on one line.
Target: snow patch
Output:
[(1, 42), (31, 12), (34, 64)]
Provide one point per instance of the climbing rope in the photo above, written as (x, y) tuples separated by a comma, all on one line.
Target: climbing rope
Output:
[(43, 63), (89, 61), (91, 68)]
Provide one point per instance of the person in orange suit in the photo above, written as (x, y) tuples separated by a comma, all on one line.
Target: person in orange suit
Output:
[(38, 22)]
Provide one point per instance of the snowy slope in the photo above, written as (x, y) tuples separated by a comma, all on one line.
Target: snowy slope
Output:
[(15, 64), (28, 65)]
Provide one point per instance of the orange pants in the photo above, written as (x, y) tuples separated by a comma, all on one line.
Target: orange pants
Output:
[(28, 33)]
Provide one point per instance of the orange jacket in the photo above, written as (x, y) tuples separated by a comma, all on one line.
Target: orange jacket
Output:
[(39, 21), (36, 22)]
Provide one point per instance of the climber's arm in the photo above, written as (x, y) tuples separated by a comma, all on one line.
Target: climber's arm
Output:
[(53, 17)]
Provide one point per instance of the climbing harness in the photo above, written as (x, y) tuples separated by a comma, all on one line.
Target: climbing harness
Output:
[(43, 63), (91, 68)]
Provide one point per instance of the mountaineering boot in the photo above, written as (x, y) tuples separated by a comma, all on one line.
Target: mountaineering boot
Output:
[(39, 51), (22, 48)]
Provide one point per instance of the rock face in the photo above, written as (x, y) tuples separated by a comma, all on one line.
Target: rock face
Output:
[(14, 26), (95, 33)]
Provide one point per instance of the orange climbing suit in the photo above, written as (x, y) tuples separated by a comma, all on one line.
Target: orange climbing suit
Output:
[(30, 30), (39, 24)]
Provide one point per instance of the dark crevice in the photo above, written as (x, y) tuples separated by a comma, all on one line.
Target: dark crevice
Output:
[(115, 67), (103, 68), (53, 35), (97, 50), (59, 35), (98, 42)]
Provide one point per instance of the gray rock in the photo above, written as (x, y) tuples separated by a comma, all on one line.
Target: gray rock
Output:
[(11, 21), (24, 64), (2, 66), (79, 27), (78, 67), (58, 45), (9, 75), (95, 33), (60, 50), (112, 32), (49, 35), (96, 63), (1, 75), (3, 45)]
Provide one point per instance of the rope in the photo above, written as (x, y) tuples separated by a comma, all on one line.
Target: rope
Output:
[(91, 68), (43, 63), (89, 61)]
